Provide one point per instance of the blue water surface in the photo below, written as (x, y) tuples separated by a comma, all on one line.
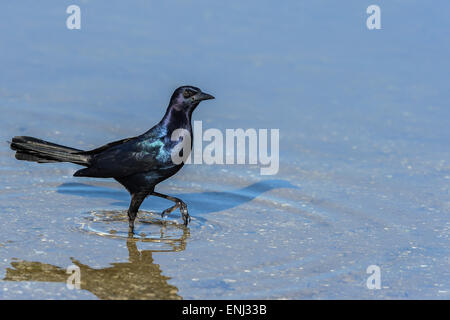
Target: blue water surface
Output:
[(364, 159)]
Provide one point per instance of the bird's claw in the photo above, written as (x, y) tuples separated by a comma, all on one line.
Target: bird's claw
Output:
[(185, 214), (183, 211), (164, 213)]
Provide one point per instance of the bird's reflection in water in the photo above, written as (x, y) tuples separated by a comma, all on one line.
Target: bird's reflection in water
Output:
[(139, 278)]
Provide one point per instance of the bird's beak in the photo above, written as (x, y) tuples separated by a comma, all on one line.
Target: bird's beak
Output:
[(202, 96)]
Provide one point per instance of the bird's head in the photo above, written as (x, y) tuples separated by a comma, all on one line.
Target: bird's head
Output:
[(187, 98)]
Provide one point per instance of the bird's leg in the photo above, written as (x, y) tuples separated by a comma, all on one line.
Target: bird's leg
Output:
[(136, 201), (178, 204)]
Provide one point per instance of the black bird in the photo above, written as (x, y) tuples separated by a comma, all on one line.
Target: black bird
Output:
[(138, 163)]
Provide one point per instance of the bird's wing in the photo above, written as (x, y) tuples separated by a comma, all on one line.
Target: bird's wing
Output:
[(107, 146), (125, 157)]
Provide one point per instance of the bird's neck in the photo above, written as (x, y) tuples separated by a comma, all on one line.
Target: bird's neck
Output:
[(176, 119)]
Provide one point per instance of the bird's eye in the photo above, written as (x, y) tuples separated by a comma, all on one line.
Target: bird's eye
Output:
[(188, 93)]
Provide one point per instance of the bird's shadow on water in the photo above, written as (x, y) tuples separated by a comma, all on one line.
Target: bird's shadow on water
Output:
[(200, 202), (138, 278)]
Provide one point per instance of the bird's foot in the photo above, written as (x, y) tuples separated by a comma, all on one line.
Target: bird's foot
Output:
[(169, 210), (185, 214), (165, 213)]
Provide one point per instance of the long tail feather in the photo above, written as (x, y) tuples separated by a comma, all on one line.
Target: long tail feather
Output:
[(37, 150)]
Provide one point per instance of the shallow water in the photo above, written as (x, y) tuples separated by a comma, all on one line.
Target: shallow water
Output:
[(364, 158)]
